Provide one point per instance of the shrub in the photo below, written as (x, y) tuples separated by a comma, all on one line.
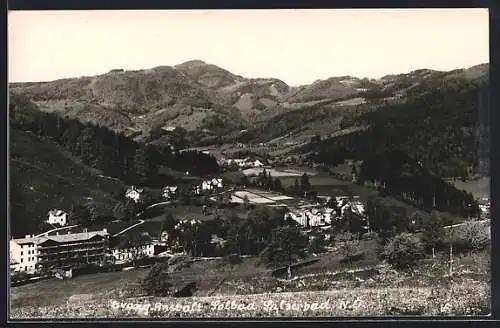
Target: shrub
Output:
[(157, 281), (348, 244), (473, 234), (403, 250)]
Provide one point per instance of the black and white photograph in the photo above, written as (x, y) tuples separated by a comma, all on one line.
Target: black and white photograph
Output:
[(214, 164)]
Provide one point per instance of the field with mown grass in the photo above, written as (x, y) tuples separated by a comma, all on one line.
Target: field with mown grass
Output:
[(479, 188), (461, 298)]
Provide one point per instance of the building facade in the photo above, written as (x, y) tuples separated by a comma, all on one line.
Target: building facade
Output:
[(24, 254), (31, 253), (134, 193)]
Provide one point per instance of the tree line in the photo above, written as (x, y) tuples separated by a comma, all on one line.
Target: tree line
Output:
[(109, 151)]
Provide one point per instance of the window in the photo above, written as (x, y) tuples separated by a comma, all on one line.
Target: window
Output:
[(25, 268), (22, 260), (21, 253)]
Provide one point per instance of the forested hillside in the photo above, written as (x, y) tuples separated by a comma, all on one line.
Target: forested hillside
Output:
[(440, 129), (57, 162)]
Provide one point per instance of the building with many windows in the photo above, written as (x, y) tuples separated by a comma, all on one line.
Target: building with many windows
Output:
[(32, 253)]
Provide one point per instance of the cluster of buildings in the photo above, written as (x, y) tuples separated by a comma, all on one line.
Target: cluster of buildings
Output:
[(318, 215), (244, 163), (208, 186), (172, 191)]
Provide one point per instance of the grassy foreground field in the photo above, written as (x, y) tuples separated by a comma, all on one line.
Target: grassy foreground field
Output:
[(465, 298), (248, 290)]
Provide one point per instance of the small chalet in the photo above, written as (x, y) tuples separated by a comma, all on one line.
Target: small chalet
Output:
[(169, 192), (134, 193), (57, 217), (258, 164)]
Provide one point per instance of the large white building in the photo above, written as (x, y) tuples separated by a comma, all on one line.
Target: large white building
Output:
[(57, 217), (30, 253)]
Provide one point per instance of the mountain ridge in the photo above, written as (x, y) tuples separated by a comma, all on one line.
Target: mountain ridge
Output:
[(209, 101)]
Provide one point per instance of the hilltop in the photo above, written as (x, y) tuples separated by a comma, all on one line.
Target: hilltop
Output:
[(209, 101)]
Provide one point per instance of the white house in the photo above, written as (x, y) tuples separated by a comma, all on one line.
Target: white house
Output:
[(57, 217), (209, 185), (134, 193), (169, 192), (124, 255), (258, 163)]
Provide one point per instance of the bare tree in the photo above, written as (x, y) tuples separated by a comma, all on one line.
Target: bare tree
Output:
[(474, 234)]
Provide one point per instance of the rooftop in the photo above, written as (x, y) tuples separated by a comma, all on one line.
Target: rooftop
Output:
[(62, 238)]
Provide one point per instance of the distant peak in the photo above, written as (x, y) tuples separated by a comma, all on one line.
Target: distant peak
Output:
[(194, 62)]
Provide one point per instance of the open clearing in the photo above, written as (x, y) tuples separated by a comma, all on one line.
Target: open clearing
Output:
[(274, 172), (478, 188)]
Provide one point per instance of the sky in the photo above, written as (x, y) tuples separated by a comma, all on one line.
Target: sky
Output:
[(296, 46)]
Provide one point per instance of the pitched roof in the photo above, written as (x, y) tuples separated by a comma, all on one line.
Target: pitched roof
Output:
[(32, 240), (63, 238), (57, 212)]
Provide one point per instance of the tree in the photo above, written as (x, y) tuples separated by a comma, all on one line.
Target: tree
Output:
[(80, 214), (143, 166), (195, 236), (277, 185), (432, 231), (296, 188), (348, 244), (287, 246), (157, 281), (304, 183), (246, 202), (474, 234), (403, 251), (232, 260), (169, 223), (317, 244)]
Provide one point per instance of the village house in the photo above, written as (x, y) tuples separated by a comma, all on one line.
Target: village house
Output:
[(134, 193), (169, 128), (57, 217), (31, 253), (209, 186), (484, 207), (238, 161), (311, 217), (258, 164), (169, 192), (128, 254)]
